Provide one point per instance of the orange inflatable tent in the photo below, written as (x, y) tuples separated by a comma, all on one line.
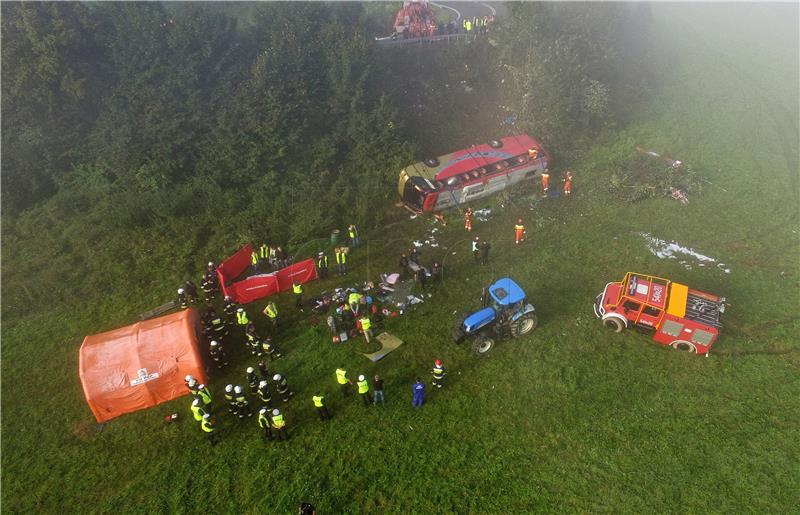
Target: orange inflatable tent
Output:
[(141, 365)]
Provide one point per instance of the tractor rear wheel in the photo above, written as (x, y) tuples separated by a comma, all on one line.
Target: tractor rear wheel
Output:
[(614, 323), (683, 346), (523, 325), (482, 345)]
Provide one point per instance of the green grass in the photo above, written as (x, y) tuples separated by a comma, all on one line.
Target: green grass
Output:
[(570, 419)]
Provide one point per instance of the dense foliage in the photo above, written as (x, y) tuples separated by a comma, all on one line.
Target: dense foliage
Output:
[(153, 133)]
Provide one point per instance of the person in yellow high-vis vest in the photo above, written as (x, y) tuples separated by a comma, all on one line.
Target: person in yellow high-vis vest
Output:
[(297, 289), (363, 390), (208, 427), (255, 260), (322, 409), (322, 265), (279, 424), (271, 310), (341, 260), (264, 424), (366, 327), (241, 317), (343, 380), (197, 410)]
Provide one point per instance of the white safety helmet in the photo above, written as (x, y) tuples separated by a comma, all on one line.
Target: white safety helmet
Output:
[(210, 263), (276, 411), (180, 291), (237, 389), (207, 416), (214, 343), (192, 382), (229, 388), (276, 377), (188, 378), (251, 370), (240, 310), (227, 297), (361, 378), (262, 411), (262, 384), (201, 386), (196, 402)]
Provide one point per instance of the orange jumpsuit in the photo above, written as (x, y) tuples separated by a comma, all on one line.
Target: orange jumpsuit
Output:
[(468, 220), (519, 233), (568, 184), (545, 182)]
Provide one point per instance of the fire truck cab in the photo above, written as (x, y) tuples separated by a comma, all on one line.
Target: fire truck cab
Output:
[(685, 319)]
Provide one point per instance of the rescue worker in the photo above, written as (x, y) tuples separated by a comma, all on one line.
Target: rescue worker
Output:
[(281, 259), (568, 184), (269, 349), (209, 428), (545, 182), (253, 343), (322, 265), (322, 409), (183, 302), (189, 379), (271, 310), (355, 241), (519, 232), (366, 326), (468, 26), (263, 371), (230, 399), (204, 394), (421, 277), (228, 306), (297, 289), (436, 272), (263, 393), (191, 291), (485, 247), (341, 260), (438, 373), (476, 249), (419, 393), (241, 317), (403, 264), (468, 220), (282, 387), (354, 300), (252, 380), (191, 384), (263, 252), (344, 381), (413, 256), (255, 260), (197, 410), (279, 424), (363, 390), (475, 24), (264, 424), (485, 25), (218, 354), (533, 153), (215, 325), (242, 405)]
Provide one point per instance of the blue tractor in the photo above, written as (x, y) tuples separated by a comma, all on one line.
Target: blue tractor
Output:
[(505, 314)]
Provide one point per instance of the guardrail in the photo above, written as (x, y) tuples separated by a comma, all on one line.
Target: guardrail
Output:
[(388, 42)]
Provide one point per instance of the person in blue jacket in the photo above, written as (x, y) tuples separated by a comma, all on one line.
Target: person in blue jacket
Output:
[(419, 393)]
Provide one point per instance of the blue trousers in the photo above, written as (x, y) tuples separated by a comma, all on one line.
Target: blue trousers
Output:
[(418, 401)]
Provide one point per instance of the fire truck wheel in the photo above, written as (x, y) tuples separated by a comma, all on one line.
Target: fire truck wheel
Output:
[(683, 346), (614, 323), (431, 162), (495, 143), (482, 345), (524, 325)]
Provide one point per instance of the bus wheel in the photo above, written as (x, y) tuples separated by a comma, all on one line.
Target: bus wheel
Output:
[(495, 143), (431, 162), (614, 324), (683, 346)]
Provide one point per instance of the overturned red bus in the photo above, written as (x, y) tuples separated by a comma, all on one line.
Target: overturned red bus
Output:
[(476, 172)]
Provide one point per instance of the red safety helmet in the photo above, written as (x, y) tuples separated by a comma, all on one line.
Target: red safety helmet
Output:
[(438, 363)]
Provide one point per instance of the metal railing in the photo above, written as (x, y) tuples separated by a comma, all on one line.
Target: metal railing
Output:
[(400, 41)]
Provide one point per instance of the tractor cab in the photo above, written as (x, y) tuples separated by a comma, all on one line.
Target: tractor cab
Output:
[(507, 296)]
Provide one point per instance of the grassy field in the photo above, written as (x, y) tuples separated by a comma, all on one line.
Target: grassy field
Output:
[(570, 419)]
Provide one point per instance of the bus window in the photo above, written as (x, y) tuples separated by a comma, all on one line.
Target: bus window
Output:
[(521, 159), (474, 174), (452, 181), (499, 166), (482, 171)]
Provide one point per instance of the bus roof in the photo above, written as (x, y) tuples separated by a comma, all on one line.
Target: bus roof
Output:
[(464, 160)]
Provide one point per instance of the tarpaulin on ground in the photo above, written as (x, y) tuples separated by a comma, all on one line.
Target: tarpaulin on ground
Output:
[(261, 285), (141, 365)]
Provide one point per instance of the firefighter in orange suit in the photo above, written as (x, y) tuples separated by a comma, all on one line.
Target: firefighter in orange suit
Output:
[(468, 220), (545, 182), (568, 184), (519, 232)]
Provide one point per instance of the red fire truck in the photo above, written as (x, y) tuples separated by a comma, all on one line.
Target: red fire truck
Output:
[(464, 175), (685, 319)]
